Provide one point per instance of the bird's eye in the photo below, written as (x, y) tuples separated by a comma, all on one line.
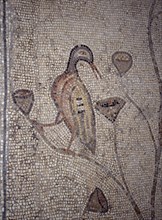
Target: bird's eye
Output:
[(105, 105), (82, 52)]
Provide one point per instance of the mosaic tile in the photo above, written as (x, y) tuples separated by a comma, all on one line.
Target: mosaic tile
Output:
[(81, 109)]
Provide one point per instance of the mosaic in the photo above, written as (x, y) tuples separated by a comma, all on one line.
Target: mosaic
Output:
[(81, 110)]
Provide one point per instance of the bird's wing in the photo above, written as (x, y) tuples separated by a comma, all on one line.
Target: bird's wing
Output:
[(83, 114)]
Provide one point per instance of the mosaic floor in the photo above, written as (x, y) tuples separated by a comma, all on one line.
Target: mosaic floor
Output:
[(81, 112)]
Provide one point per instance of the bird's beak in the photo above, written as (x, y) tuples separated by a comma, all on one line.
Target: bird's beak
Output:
[(96, 71)]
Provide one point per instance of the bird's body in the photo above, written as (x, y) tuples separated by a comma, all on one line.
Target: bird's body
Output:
[(74, 102), (75, 109)]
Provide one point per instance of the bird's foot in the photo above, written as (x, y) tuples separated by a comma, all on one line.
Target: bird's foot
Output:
[(37, 126)]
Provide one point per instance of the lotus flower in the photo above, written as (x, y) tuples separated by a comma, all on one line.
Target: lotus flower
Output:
[(110, 107), (24, 100), (97, 202), (122, 61)]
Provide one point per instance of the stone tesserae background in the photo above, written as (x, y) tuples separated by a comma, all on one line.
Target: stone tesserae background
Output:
[(81, 109)]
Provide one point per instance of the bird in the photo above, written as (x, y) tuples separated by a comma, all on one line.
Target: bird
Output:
[(73, 100)]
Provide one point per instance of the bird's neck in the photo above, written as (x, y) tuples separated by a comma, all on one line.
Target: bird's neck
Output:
[(71, 66)]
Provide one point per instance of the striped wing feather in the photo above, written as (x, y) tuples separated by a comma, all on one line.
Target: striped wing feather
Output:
[(83, 114)]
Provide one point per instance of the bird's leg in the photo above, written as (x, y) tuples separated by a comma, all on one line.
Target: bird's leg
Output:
[(59, 118), (37, 126), (73, 135), (40, 126)]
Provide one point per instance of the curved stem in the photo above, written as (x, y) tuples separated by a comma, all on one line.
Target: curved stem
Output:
[(148, 124), (156, 70), (141, 112), (42, 124), (157, 15), (150, 41), (108, 173), (72, 153), (131, 199), (155, 180)]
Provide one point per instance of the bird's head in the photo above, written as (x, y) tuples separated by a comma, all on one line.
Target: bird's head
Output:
[(83, 53)]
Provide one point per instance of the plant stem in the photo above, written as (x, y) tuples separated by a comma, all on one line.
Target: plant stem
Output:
[(156, 70), (129, 195), (141, 112), (91, 159)]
